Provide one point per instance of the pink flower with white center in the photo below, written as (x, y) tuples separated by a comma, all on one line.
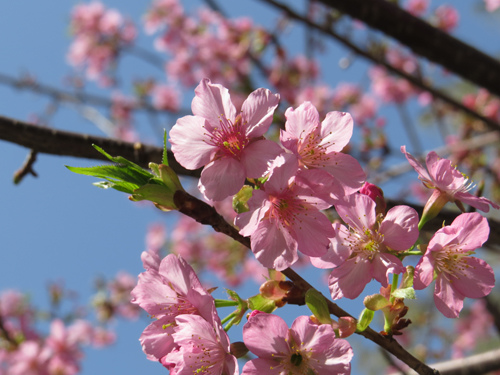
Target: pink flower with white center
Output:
[(171, 290), (449, 183), (284, 216), (229, 144), (319, 145), (305, 348), (458, 274), (203, 348), (365, 250)]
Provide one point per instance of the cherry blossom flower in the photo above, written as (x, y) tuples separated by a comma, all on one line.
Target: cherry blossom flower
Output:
[(100, 34), (227, 143), (165, 292), (363, 251), (284, 216), (203, 348), (319, 145), (449, 183), (305, 348), (458, 274)]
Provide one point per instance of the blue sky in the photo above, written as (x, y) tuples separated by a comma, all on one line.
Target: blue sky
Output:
[(60, 227)]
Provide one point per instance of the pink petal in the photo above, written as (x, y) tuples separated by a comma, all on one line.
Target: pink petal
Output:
[(222, 178), (312, 337), (481, 203), (334, 359), (325, 189), (250, 220), (179, 274), (445, 176), (283, 168), (424, 272), (350, 278), (266, 335), (416, 164), (449, 301), (473, 230), (157, 340), (384, 264), (212, 101), (337, 252), (336, 130), (273, 246), (347, 171), (477, 279), (260, 366), (400, 228), (313, 231), (300, 120), (358, 211), (256, 157), (257, 111), (189, 142)]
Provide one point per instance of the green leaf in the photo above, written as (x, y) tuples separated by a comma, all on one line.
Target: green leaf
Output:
[(317, 304), (365, 319), (376, 302), (408, 277), (408, 293), (260, 303), (240, 199)]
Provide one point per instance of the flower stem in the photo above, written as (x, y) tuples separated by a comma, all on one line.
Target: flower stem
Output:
[(225, 303)]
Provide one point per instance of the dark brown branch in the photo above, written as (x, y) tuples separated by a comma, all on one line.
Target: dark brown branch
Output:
[(425, 40), (416, 81), (57, 142)]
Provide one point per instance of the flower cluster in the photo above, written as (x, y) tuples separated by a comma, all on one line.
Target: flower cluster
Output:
[(26, 351), (308, 173), (186, 332), (208, 45), (99, 33), (294, 182)]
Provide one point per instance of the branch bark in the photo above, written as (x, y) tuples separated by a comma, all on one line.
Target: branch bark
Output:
[(425, 40)]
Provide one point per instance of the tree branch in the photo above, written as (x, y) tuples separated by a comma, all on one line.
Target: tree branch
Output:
[(425, 40), (57, 142), (417, 82)]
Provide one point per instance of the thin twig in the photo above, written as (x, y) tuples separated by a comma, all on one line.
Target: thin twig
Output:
[(26, 168)]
